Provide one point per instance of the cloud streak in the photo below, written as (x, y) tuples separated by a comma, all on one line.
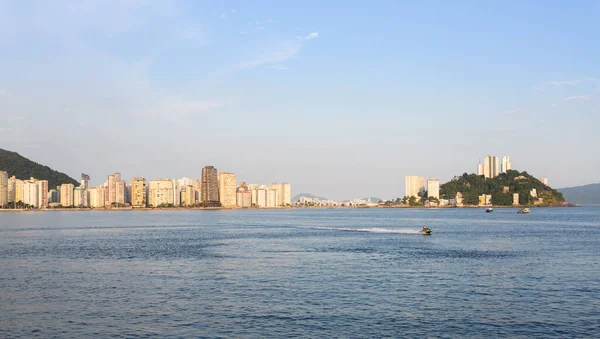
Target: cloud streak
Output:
[(311, 36), (577, 97)]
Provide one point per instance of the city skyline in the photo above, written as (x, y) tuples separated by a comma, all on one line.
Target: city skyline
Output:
[(272, 93)]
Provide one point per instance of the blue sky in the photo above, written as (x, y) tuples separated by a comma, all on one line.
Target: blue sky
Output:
[(341, 99)]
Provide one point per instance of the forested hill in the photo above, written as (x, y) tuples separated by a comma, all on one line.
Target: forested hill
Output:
[(472, 186), (15, 164)]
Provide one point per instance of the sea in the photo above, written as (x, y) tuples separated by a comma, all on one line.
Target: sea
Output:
[(301, 273)]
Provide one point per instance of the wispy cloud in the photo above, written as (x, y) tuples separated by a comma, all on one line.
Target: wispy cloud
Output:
[(577, 97), (264, 22), (311, 36), (280, 67), (260, 28), (224, 15), (570, 83), (274, 55)]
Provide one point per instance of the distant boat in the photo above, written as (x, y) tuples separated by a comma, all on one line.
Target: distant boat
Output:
[(489, 210), (523, 211)]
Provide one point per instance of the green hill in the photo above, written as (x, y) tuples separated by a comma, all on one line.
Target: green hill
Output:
[(472, 186), (584, 195), (15, 164)]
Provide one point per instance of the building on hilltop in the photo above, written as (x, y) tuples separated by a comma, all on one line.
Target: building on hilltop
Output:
[(414, 185), (490, 166), (227, 189), (506, 164)]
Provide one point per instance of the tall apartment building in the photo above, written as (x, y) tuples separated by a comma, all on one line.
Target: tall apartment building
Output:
[(284, 191), (78, 197), (210, 185), (479, 169), (19, 190), (261, 197), (66, 194), (272, 198), (433, 188), (188, 196), (114, 190), (85, 181), (490, 166), (3, 188), (42, 193), (11, 188), (138, 192), (506, 164), (198, 189), (160, 192), (120, 193), (96, 197), (244, 198), (30, 192), (414, 185), (227, 189)]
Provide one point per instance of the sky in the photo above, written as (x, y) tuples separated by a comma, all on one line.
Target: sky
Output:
[(340, 99)]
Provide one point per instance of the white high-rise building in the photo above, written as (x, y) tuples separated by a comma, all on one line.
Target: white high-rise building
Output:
[(66, 194), (3, 188), (284, 191), (30, 193), (433, 188), (480, 169), (160, 192), (414, 185), (227, 189), (96, 197), (78, 200), (490, 166), (42, 193), (506, 164), (272, 198)]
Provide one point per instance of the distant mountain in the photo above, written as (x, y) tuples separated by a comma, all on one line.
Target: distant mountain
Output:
[(15, 164), (306, 195), (582, 195)]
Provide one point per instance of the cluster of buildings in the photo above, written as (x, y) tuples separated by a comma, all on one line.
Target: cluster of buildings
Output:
[(213, 189), (490, 166), (417, 186), (318, 202), (32, 192)]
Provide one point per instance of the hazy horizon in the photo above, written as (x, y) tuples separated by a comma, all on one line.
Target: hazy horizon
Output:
[(340, 100)]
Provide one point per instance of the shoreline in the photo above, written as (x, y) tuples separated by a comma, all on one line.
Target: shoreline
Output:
[(140, 209)]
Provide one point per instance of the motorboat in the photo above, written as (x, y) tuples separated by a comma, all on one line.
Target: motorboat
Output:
[(523, 211)]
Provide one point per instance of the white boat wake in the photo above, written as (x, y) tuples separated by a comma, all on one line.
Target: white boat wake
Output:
[(370, 230)]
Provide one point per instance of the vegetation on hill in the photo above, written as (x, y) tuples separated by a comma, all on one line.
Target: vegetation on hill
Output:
[(501, 188), (586, 194), (15, 164)]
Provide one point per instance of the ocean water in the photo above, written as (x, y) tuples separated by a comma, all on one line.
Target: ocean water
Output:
[(360, 273)]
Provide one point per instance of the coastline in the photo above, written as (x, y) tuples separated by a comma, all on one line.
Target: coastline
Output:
[(140, 209)]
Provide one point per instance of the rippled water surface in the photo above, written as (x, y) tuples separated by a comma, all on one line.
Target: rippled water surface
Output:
[(301, 273)]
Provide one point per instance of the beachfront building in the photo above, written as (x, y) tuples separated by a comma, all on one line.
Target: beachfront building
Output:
[(515, 199), (30, 192), (96, 197), (188, 196), (272, 198), (113, 179), (284, 191), (42, 199), (138, 192), (19, 184), (66, 194), (3, 188), (433, 188), (414, 185), (78, 197), (244, 198), (210, 185), (160, 192), (227, 189)]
